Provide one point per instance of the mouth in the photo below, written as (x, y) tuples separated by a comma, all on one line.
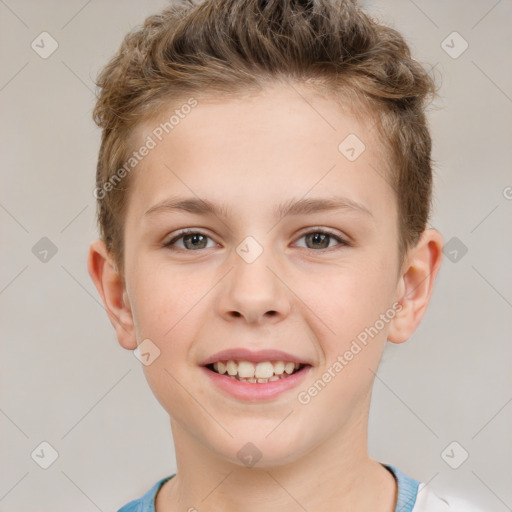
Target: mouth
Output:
[(256, 373)]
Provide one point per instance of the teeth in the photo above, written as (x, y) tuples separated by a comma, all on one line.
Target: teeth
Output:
[(264, 371), (232, 368), (246, 370), (279, 368), (289, 368)]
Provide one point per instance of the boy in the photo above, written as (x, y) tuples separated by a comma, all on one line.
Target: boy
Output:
[(262, 129)]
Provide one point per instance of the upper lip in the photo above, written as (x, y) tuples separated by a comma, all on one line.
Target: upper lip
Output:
[(256, 356)]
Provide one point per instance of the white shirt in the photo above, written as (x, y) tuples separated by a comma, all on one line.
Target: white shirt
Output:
[(428, 501)]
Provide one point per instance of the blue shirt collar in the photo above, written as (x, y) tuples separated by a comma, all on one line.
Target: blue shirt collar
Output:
[(407, 492), (407, 489)]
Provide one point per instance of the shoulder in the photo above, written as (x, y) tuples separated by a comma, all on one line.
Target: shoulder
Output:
[(428, 500), (147, 502)]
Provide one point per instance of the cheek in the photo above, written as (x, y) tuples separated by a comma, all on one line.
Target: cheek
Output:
[(165, 312), (163, 300), (355, 316), (349, 295), (344, 308)]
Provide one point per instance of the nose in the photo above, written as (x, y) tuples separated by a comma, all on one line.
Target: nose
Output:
[(254, 291)]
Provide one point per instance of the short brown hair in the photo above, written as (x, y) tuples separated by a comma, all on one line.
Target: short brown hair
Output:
[(229, 47)]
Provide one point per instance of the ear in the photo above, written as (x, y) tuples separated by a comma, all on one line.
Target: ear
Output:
[(416, 284), (111, 288)]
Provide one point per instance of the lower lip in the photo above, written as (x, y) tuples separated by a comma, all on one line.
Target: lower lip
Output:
[(254, 391)]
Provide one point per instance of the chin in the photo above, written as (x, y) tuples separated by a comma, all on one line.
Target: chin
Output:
[(259, 452)]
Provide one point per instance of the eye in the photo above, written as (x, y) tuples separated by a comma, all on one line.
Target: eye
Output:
[(192, 240), (320, 239)]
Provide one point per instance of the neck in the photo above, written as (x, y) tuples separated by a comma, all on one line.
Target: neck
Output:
[(336, 474)]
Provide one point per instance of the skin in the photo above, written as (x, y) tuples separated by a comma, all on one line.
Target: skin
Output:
[(252, 154)]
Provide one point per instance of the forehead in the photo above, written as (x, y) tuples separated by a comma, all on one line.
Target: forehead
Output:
[(287, 140)]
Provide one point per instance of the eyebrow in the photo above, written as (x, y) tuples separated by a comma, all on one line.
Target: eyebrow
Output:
[(302, 206)]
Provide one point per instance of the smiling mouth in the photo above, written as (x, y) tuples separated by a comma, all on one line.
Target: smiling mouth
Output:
[(262, 372)]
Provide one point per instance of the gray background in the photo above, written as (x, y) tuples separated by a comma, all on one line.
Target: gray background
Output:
[(65, 379)]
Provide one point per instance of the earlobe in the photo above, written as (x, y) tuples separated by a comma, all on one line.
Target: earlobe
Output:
[(111, 288), (416, 284)]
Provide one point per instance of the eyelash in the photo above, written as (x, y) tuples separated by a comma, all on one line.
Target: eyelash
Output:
[(181, 234)]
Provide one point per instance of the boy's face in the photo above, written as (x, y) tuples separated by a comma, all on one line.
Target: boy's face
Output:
[(307, 295)]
